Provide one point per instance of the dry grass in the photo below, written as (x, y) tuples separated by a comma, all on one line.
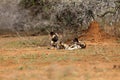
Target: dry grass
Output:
[(96, 62), (21, 42)]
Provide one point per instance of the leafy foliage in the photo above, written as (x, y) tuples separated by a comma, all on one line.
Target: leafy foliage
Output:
[(38, 6), (73, 16)]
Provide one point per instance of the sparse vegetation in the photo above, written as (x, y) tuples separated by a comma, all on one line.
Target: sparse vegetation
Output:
[(54, 15), (24, 40), (94, 62), (73, 17)]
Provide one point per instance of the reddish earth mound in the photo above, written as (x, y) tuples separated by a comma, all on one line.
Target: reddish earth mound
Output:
[(95, 34)]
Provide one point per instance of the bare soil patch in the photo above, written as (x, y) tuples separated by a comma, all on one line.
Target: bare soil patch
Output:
[(93, 63), (99, 61)]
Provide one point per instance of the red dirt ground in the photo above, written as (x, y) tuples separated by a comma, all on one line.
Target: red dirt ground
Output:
[(99, 61)]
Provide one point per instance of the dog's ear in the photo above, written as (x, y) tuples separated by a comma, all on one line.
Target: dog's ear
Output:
[(75, 40)]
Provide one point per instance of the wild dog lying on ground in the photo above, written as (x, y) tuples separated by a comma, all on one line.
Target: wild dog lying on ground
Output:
[(62, 45), (76, 45), (56, 44), (79, 43)]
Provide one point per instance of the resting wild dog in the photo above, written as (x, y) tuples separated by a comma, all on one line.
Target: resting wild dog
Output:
[(62, 45), (79, 43), (54, 39), (76, 45), (55, 43)]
